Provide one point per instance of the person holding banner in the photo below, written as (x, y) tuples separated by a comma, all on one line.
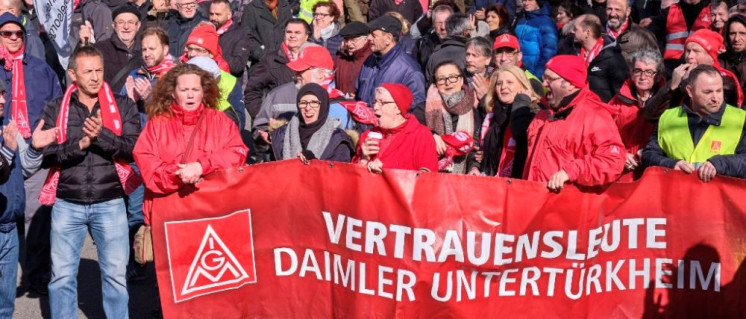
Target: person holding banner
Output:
[(705, 135), (575, 139), (311, 133), (186, 137), (511, 104), (400, 141), (88, 179)]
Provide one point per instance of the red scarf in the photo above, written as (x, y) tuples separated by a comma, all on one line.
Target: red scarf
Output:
[(594, 51), (18, 96), (331, 88), (287, 52), (112, 120), (161, 68), (615, 34), (225, 27)]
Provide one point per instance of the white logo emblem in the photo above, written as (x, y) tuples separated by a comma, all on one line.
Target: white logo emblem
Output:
[(215, 262), (595, 69), (504, 38)]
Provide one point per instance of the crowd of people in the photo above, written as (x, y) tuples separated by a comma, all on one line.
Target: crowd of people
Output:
[(158, 94)]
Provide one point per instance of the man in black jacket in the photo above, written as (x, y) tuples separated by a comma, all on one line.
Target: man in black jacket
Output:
[(427, 43), (680, 141), (181, 26), (264, 21), (122, 50), (606, 69), (453, 48), (89, 179), (232, 38)]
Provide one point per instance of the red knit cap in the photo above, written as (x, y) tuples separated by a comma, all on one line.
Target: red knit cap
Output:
[(205, 36), (401, 94), (571, 68), (710, 40)]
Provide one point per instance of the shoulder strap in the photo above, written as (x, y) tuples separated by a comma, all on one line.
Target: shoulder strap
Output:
[(191, 138), (125, 70)]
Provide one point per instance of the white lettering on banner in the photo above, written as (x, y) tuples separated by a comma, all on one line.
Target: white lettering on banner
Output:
[(56, 16)]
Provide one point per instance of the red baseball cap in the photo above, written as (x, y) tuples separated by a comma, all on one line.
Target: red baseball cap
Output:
[(506, 41), (312, 57)]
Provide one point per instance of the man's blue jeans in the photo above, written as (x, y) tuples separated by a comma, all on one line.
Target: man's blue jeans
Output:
[(8, 271), (107, 223)]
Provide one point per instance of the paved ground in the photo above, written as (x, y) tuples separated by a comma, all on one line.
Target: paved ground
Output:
[(144, 302)]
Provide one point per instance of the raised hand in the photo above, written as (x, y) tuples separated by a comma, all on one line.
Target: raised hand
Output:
[(42, 138)]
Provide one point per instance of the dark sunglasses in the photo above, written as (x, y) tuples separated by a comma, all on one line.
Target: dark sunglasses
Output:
[(8, 34)]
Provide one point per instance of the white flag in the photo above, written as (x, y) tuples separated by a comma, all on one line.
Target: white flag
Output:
[(56, 16)]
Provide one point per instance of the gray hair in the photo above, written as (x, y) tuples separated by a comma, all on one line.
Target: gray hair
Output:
[(481, 44), (457, 23), (441, 8), (648, 56)]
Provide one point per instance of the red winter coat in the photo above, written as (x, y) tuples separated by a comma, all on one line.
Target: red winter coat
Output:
[(161, 145), (634, 129), (409, 146), (584, 143)]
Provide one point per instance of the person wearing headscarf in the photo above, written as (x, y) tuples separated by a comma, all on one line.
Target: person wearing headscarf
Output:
[(311, 133)]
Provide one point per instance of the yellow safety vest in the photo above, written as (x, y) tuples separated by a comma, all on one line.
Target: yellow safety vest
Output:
[(225, 84), (676, 141), (531, 76), (306, 9)]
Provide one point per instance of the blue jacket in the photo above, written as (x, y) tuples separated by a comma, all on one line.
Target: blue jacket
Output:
[(537, 35), (42, 86), (12, 195), (393, 67)]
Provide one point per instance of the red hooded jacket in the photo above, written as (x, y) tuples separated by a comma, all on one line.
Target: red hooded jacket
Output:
[(409, 146), (634, 129), (584, 143), (161, 146)]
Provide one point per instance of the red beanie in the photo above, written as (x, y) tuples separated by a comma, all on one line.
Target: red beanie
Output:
[(571, 68), (205, 36), (401, 94), (710, 40)]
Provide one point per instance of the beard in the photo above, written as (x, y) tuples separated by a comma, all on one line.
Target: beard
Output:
[(616, 22)]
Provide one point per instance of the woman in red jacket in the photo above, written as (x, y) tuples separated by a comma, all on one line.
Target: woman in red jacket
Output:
[(186, 137), (646, 80), (400, 141)]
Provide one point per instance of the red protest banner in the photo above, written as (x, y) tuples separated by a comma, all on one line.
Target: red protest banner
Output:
[(331, 240)]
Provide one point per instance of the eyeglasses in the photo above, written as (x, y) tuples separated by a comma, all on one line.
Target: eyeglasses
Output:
[(187, 5), (648, 73), (309, 104), (453, 78), (197, 49), (382, 103), (321, 15), (125, 23), (507, 53), (10, 34)]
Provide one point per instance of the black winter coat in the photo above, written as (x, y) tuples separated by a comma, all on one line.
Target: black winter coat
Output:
[(178, 30), (265, 31), (88, 176), (425, 47), (116, 58), (409, 9), (266, 75), (452, 49), (235, 45), (607, 72)]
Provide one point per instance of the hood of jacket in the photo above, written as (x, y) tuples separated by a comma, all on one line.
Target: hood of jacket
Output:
[(544, 10)]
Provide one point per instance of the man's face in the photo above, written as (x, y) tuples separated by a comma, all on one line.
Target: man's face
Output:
[(153, 51), (126, 26), (194, 50), (737, 36), (643, 74), (695, 54), (557, 88), (380, 41), (89, 74), (220, 13), (295, 35), (616, 13), (7, 6), (719, 15), (439, 23), (530, 5), (581, 34), (307, 76), (706, 93), (187, 8), (351, 45), (11, 36), (476, 63), (507, 57)]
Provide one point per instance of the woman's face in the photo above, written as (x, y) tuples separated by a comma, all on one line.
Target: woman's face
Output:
[(386, 109), (322, 18), (448, 79), (309, 106), (643, 74), (188, 91), (507, 87), (562, 16), (530, 5), (493, 20)]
